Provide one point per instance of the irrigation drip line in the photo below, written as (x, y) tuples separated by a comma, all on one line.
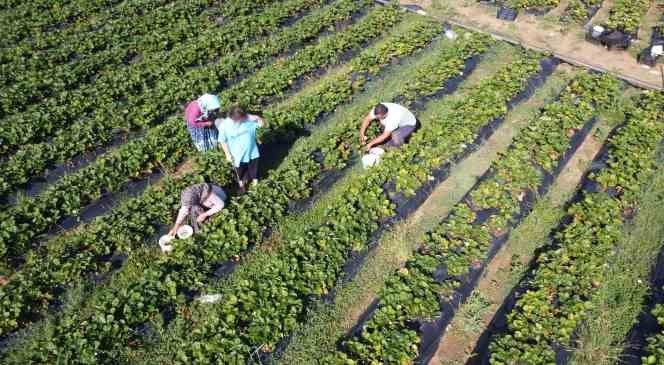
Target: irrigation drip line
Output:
[(566, 58)]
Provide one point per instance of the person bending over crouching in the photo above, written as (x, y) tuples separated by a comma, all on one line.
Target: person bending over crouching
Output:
[(398, 124), (193, 201)]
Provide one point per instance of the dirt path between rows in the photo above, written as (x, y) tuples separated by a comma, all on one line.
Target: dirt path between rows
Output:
[(547, 33), (499, 278)]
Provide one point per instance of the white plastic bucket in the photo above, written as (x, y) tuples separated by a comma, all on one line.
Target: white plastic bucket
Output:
[(377, 151), (185, 232), (164, 243), (369, 160)]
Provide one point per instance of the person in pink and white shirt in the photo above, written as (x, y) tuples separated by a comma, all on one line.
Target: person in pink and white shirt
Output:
[(200, 115)]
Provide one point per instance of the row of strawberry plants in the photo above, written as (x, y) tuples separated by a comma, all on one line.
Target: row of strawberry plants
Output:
[(140, 111), (580, 11), (445, 261), (560, 293), (31, 217), (65, 256), (40, 121), (626, 15), (264, 302), (21, 20), (176, 85), (532, 4), (247, 215), (45, 51), (31, 81), (110, 14), (185, 22)]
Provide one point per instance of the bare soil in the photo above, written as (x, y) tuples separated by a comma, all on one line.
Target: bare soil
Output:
[(546, 32), (457, 344)]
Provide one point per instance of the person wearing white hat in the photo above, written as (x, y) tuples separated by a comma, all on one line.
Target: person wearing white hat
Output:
[(200, 115)]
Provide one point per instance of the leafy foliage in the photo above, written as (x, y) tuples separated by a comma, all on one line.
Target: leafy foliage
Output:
[(532, 4), (655, 349), (124, 100), (626, 15)]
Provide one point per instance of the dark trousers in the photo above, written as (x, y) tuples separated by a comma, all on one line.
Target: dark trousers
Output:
[(247, 171)]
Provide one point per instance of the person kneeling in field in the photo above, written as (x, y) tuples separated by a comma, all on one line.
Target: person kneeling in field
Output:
[(398, 124), (194, 200), (237, 137)]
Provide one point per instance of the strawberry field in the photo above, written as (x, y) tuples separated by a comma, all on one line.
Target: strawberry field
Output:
[(94, 155)]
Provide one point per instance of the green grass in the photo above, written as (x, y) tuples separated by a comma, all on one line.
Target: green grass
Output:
[(622, 296), (470, 315)]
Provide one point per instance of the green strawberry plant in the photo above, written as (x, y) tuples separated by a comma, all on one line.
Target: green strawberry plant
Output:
[(626, 15), (306, 266), (579, 11), (116, 95), (532, 4), (31, 80), (192, 261), (655, 348), (24, 19), (174, 90)]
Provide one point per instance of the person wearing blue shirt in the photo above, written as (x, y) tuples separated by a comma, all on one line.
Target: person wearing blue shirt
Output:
[(237, 137)]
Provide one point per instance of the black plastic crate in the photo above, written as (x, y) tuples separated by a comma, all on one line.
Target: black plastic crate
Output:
[(505, 13)]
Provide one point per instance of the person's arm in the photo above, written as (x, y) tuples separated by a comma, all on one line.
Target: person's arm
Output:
[(192, 113), (378, 140), (182, 215), (261, 122), (201, 124), (365, 124), (227, 152), (215, 204)]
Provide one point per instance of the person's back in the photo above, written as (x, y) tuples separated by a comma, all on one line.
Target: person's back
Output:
[(397, 117)]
